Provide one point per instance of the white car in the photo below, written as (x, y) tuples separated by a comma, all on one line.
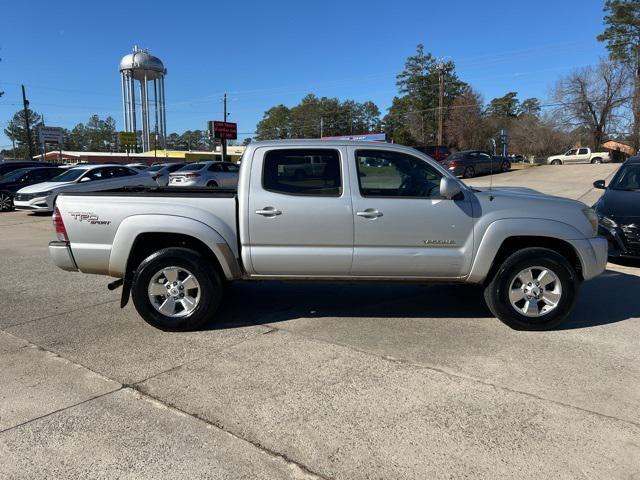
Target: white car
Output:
[(138, 166), (160, 172), (41, 197)]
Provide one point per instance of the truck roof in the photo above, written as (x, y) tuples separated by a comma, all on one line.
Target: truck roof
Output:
[(336, 143)]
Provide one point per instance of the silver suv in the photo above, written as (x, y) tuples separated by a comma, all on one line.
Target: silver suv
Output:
[(206, 174)]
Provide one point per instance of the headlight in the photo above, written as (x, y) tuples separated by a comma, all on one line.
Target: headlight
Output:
[(43, 194), (592, 216), (607, 222)]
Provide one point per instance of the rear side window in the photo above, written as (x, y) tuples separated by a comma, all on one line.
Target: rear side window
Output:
[(314, 172), (173, 168), (583, 151), (216, 167)]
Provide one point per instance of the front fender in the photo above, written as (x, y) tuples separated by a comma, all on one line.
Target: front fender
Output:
[(497, 232), (133, 226)]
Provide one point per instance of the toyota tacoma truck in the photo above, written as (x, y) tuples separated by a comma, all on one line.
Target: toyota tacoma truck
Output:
[(366, 212)]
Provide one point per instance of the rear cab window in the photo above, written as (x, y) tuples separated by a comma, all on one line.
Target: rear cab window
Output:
[(310, 172)]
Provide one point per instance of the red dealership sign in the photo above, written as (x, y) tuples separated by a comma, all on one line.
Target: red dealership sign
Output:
[(223, 130)]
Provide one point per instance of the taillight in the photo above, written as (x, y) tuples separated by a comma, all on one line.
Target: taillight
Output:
[(61, 232), (192, 175), (453, 163)]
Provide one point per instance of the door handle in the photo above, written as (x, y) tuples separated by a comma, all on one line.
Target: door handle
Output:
[(268, 212), (369, 213)]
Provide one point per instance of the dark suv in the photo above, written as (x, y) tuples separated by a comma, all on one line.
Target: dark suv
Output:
[(438, 152), (6, 167)]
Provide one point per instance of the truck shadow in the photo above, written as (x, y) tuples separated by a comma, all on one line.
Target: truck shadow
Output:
[(610, 298)]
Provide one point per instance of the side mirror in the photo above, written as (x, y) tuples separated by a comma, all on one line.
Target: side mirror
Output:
[(449, 187), (599, 184)]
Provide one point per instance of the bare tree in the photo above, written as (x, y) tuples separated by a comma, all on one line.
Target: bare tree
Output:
[(594, 98), (465, 125)]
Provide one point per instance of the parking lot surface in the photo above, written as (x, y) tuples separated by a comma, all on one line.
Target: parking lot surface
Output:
[(315, 380)]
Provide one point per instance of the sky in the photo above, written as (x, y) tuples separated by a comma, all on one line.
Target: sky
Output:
[(263, 53)]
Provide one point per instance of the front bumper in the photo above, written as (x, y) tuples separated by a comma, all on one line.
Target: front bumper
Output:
[(593, 256), (39, 204), (623, 241), (60, 252)]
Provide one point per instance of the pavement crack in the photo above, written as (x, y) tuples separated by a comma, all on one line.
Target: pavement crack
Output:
[(453, 374), (281, 456)]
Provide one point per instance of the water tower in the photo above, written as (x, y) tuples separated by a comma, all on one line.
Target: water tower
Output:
[(145, 68)]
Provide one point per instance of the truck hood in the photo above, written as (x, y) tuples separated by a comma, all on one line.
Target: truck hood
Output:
[(44, 187)]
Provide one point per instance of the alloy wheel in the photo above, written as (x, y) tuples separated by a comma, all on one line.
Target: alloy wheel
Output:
[(535, 291), (174, 292)]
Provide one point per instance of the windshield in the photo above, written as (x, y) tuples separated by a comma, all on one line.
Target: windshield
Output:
[(192, 167), (628, 178), (69, 176), (15, 175)]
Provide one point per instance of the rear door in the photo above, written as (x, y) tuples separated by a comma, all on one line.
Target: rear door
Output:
[(300, 224), (583, 156)]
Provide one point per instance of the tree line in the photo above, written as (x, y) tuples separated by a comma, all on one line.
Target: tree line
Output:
[(433, 105)]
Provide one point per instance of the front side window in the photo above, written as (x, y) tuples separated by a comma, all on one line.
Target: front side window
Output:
[(303, 172), (392, 174), (571, 152)]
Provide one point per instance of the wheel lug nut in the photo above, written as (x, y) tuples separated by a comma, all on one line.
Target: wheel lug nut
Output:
[(175, 283), (181, 295), (181, 287)]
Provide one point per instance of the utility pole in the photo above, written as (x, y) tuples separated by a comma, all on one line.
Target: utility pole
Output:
[(224, 140), (321, 127), (440, 101), (13, 140), (25, 104)]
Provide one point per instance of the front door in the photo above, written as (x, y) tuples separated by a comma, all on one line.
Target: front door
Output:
[(300, 218), (403, 227)]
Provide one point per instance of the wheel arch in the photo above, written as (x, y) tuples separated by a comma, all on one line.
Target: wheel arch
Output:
[(140, 236), (504, 237)]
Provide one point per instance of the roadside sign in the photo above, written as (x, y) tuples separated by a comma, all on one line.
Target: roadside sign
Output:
[(223, 130), (127, 138), (50, 135)]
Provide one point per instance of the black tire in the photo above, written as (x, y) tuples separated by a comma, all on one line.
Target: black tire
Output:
[(6, 202), (496, 293), (556, 162), (505, 167), (469, 172), (596, 160), (212, 184), (207, 276)]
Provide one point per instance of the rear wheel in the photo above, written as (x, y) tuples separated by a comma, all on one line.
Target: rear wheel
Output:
[(212, 184), (505, 166), (534, 289), (174, 290), (6, 202), (469, 172), (596, 160)]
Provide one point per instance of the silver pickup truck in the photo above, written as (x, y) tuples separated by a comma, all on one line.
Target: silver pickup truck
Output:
[(365, 212)]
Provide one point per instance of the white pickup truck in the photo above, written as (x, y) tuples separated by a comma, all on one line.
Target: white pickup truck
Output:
[(369, 212), (579, 155)]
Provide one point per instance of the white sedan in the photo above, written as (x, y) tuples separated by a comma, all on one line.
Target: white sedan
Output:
[(41, 197)]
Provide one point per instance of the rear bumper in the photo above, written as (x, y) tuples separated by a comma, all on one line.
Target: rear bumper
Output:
[(60, 252)]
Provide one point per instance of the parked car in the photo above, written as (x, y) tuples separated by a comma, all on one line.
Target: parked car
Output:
[(138, 166), (87, 178), (579, 155), (13, 181), (438, 152), (469, 163), (9, 166), (160, 171), (206, 174), (619, 210), (410, 220)]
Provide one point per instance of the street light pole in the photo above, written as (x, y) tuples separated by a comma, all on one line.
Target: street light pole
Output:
[(25, 104)]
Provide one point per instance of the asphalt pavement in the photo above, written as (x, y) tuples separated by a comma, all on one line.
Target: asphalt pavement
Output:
[(343, 381)]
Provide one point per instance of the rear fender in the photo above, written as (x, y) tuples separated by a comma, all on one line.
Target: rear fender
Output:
[(133, 226)]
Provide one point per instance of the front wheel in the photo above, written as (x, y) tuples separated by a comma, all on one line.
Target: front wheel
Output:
[(174, 290), (534, 289), (6, 202), (556, 162)]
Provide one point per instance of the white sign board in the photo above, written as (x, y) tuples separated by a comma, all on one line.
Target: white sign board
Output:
[(50, 135)]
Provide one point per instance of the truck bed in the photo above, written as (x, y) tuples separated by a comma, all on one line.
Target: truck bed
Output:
[(98, 222)]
